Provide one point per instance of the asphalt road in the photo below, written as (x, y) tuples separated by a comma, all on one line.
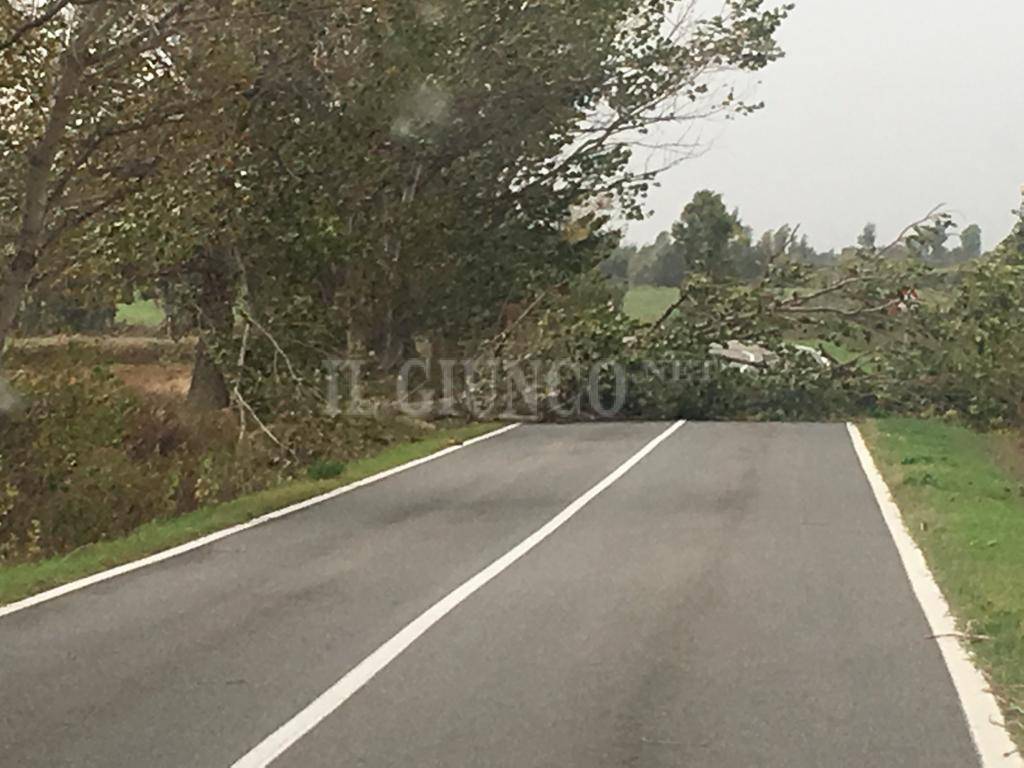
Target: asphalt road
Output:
[(733, 601)]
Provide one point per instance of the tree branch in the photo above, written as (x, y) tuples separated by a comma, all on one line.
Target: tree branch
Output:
[(47, 15), (840, 312)]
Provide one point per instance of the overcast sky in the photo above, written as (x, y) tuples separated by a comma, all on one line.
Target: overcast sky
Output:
[(880, 110)]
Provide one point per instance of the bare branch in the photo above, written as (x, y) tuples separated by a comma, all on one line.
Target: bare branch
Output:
[(78, 218), (263, 427), (93, 143), (797, 301), (237, 392), (790, 242), (911, 227), (857, 312), (500, 339), (146, 40), (666, 315)]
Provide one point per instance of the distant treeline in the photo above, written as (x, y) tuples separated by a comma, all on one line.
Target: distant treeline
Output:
[(709, 237)]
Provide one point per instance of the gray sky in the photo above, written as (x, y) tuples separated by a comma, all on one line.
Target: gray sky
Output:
[(881, 110)]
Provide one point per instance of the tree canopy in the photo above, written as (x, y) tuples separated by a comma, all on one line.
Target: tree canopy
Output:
[(338, 174)]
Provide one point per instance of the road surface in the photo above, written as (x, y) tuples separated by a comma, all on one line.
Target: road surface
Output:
[(732, 600)]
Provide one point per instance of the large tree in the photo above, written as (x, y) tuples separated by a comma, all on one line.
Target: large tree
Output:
[(374, 172), (868, 238), (970, 242), (440, 185), (702, 237), (98, 96)]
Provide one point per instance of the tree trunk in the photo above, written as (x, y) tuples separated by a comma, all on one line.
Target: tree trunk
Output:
[(396, 343), (359, 333), (208, 390), (213, 283), (13, 284), (16, 275)]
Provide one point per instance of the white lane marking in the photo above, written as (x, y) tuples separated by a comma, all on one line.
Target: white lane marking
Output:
[(167, 554), (330, 700), (984, 718)]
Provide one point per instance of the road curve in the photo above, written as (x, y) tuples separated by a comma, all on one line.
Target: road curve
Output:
[(733, 600)]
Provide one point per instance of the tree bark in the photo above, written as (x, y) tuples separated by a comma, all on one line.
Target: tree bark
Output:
[(359, 328), (13, 284), (208, 390), (213, 282), (396, 342)]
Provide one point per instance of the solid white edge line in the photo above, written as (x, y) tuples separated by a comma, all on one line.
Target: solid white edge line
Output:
[(181, 549), (980, 708), (330, 700)]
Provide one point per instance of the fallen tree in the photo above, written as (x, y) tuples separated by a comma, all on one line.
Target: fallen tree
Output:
[(954, 353)]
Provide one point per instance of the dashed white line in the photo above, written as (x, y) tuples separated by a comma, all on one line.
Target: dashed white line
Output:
[(330, 700)]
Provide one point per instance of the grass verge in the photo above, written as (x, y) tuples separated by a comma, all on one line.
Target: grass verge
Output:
[(962, 497), (25, 579)]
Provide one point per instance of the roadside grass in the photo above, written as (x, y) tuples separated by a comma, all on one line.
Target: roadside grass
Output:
[(646, 303), (145, 313), (962, 496), (25, 579)]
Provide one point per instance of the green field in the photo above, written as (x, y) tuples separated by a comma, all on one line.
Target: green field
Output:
[(146, 313), (647, 303), (962, 497)]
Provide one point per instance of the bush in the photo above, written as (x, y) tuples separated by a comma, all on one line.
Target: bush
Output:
[(88, 460), (325, 470)]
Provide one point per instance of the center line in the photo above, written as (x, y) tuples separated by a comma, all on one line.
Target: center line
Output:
[(272, 747)]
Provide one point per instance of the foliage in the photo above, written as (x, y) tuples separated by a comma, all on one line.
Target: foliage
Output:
[(97, 97), (325, 469), (59, 312), (958, 353), (609, 362), (868, 238), (616, 266), (702, 236), (709, 238), (966, 357), (645, 263), (1012, 248), (970, 242), (347, 176)]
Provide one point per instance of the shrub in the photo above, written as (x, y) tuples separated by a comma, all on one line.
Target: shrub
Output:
[(325, 470), (88, 460)]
